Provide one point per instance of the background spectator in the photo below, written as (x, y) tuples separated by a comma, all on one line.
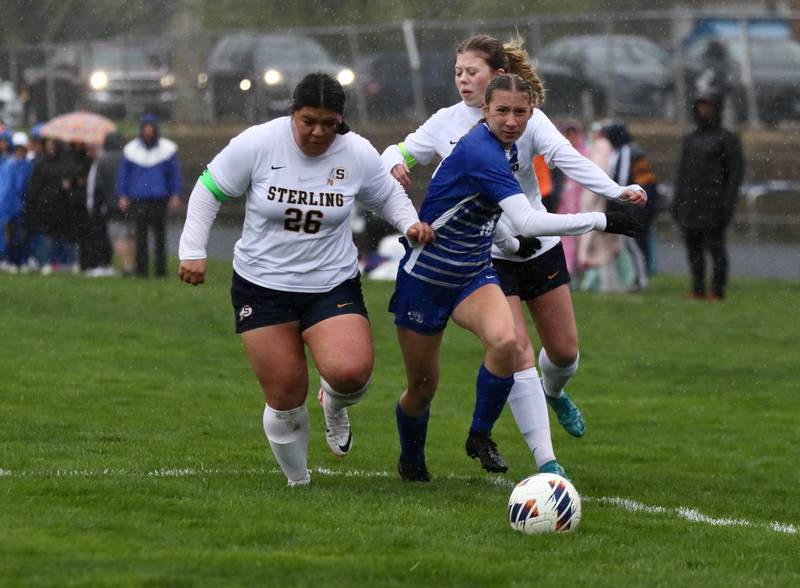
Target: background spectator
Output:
[(106, 221), (569, 199), (46, 204), (149, 183), (15, 173), (706, 189), (628, 163)]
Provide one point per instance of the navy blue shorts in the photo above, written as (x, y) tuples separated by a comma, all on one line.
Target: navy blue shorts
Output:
[(255, 306), (534, 277), (425, 308)]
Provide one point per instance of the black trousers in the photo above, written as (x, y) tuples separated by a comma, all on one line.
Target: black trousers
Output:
[(698, 241), (95, 246), (147, 214)]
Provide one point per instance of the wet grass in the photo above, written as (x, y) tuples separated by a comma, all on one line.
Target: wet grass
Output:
[(132, 452)]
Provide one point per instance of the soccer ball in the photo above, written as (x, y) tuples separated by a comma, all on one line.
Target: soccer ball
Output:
[(544, 503)]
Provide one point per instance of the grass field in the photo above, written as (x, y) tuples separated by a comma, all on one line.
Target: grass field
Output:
[(132, 454)]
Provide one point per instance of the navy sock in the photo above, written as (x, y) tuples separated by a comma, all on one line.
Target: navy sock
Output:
[(412, 436), (491, 394)]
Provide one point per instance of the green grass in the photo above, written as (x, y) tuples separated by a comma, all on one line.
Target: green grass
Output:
[(133, 455)]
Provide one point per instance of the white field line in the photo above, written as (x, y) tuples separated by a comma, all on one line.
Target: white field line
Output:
[(630, 505)]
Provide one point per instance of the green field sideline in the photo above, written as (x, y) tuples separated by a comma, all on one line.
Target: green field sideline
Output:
[(132, 453)]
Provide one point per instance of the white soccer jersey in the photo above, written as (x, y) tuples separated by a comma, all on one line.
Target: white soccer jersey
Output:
[(296, 234), (439, 134)]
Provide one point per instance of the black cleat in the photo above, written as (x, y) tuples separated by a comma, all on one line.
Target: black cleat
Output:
[(413, 472), (481, 446)]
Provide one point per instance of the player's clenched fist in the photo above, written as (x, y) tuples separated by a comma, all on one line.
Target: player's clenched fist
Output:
[(192, 271)]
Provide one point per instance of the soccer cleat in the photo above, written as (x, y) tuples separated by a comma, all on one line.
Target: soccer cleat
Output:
[(338, 433), (569, 415), (553, 467), (482, 447), (303, 482), (413, 472)]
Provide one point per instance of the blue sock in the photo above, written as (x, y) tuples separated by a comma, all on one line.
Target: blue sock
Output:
[(491, 394), (412, 436)]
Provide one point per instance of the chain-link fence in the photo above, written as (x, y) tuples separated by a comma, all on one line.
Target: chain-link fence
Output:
[(647, 64)]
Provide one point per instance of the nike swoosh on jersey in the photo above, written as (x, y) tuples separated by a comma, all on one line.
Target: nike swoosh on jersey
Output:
[(454, 142), (551, 276), (277, 166), (343, 305)]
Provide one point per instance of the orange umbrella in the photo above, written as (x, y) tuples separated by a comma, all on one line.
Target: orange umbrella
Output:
[(79, 127)]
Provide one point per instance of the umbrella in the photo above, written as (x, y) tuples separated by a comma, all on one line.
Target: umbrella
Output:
[(79, 127)]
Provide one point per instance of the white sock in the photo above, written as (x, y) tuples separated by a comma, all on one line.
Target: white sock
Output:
[(334, 401), (530, 412), (555, 378), (287, 433)]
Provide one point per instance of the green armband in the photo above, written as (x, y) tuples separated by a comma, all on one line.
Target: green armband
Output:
[(410, 161), (211, 185)]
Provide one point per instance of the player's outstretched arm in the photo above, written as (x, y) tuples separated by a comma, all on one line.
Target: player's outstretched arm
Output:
[(536, 223), (200, 214), (623, 223)]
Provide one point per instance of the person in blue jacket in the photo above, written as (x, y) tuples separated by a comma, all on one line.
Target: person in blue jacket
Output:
[(15, 172), (149, 184)]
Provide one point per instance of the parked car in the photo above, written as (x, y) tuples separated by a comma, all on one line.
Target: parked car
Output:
[(632, 69), (774, 59), (389, 88), (252, 76), (112, 78)]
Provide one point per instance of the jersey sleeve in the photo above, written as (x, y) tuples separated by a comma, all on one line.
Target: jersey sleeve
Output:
[(381, 193), (230, 172), (418, 147), (548, 141), (544, 137)]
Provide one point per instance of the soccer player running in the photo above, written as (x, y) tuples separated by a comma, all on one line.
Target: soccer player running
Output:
[(539, 280), (295, 275), (453, 276)]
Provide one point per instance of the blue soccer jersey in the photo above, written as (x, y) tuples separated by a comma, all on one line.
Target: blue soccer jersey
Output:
[(462, 205)]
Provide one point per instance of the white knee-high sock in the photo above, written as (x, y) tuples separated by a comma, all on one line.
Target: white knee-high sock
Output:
[(555, 378), (334, 401), (530, 412), (287, 433)]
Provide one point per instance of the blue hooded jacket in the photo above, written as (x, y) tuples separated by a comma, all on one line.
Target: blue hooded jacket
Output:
[(149, 170), (14, 176)]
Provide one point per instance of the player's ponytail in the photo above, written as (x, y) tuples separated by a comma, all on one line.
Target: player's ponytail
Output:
[(319, 90), (519, 63)]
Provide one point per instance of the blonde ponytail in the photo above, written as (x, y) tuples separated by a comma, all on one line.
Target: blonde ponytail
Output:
[(519, 63)]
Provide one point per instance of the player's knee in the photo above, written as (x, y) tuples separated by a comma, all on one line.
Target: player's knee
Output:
[(504, 344), (525, 356), (564, 354), (422, 388), (349, 379)]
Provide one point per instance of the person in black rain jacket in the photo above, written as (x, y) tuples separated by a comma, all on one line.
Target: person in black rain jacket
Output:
[(706, 190)]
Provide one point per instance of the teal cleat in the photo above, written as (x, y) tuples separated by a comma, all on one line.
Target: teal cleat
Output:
[(553, 467), (569, 415)]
